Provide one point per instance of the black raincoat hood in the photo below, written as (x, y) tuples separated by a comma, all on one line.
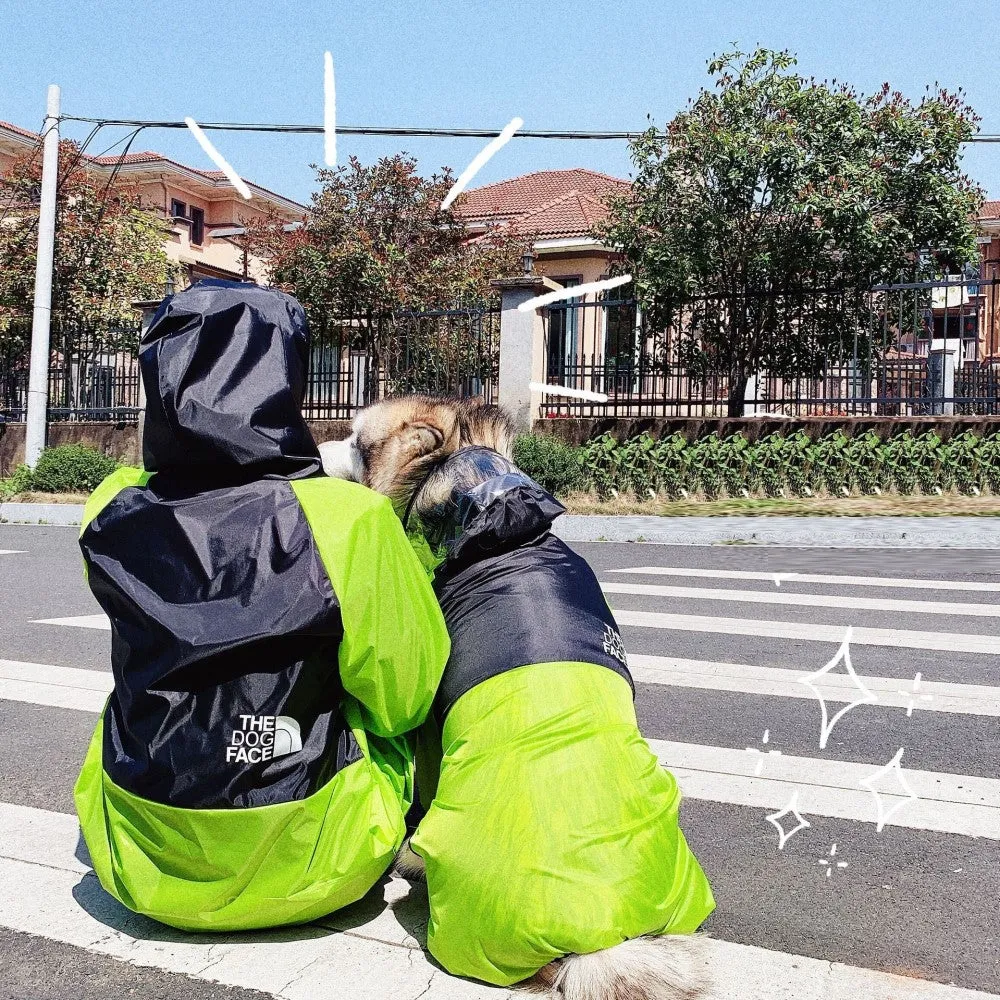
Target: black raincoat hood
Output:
[(224, 367), (493, 507)]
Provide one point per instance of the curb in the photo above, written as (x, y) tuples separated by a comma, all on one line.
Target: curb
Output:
[(968, 532), (843, 532), (60, 514)]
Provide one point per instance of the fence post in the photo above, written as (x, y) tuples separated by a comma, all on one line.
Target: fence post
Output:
[(522, 348), (941, 381)]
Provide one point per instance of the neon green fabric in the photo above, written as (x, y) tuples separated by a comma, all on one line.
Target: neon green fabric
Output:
[(554, 829), (235, 869), (229, 869), (395, 641)]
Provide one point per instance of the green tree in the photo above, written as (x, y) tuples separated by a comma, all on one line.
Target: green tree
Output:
[(108, 249), (772, 202), (377, 245), (377, 238)]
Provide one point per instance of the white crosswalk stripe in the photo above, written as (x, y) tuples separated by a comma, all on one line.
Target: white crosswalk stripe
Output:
[(785, 597), (953, 642), (783, 579), (968, 699), (58, 687), (77, 621)]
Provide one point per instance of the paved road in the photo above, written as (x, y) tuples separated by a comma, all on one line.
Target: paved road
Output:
[(720, 638)]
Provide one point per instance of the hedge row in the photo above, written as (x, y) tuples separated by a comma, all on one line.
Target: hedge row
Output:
[(776, 465), (70, 468)]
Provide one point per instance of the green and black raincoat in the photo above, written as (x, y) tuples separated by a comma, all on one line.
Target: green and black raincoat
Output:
[(273, 638), (553, 829)]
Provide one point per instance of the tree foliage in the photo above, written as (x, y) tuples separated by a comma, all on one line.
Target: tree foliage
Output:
[(772, 201), (108, 249), (378, 239)]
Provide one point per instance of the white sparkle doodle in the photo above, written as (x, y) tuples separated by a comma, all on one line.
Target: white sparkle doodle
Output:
[(912, 701), (865, 697), (830, 864), (773, 753), (573, 291), (791, 809), (481, 159), (329, 112), (911, 796), (218, 159)]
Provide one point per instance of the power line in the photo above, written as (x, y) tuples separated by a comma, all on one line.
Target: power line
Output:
[(453, 133), (458, 133)]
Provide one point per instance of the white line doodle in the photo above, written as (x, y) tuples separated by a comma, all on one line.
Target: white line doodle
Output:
[(911, 699), (573, 291), (791, 809), (480, 160), (756, 750), (565, 390), (830, 864), (866, 697), (218, 159), (869, 783), (329, 112)]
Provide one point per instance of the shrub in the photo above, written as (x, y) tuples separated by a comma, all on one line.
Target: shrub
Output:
[(71, 468), (553, 464), (19, 482)]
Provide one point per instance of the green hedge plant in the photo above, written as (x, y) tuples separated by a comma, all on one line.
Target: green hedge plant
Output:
[(71, 468)]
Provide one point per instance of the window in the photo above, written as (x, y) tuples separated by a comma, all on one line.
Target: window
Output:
[(178, 210), (197, 225)]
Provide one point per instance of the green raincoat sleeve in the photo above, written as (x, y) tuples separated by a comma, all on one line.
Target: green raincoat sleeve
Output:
[(395, 641)]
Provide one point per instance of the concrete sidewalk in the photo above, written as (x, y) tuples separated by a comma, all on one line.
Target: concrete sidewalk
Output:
[(968, 532)]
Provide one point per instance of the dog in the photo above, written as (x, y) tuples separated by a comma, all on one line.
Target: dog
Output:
[(551, 848)]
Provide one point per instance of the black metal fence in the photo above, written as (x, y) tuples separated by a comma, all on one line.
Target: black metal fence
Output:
[(356, 359), (898, 350), (362, 357), (93, 371)]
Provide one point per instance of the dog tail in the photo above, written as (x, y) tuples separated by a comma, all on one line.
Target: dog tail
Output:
[(658, 967)]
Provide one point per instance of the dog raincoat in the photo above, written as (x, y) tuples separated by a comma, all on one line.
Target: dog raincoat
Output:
[(273, 636), (553, 829)]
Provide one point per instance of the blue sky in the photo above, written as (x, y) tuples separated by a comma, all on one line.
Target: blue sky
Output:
[(584, 64)]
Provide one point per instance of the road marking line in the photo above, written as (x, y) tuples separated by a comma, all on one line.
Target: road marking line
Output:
[(56, 687), (78, 621), (366, 959), (948, 803), (967, 699), (949, 642), (806, 600), (840, 581)]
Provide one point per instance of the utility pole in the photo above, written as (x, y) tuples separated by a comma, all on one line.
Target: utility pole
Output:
[(38, 377)]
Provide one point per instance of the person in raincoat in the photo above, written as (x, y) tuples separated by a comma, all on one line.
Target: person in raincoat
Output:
[(551, 843), (273, 637)]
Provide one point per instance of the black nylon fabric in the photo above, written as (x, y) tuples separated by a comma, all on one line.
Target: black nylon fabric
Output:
[(225, 626), (514, 594), (224, 366)]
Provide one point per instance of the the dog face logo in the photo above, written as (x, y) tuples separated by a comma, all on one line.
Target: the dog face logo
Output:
[(614, 646), (263, 737)]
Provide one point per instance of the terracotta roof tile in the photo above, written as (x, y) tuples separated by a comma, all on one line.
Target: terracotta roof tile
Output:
[(990, 210), (573, 214), (529, 192)]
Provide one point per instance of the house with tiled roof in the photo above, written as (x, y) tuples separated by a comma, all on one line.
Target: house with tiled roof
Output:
[(557, 211), (204, 216)]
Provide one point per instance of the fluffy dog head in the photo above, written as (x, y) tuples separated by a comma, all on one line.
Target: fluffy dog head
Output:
[(396, 444)]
